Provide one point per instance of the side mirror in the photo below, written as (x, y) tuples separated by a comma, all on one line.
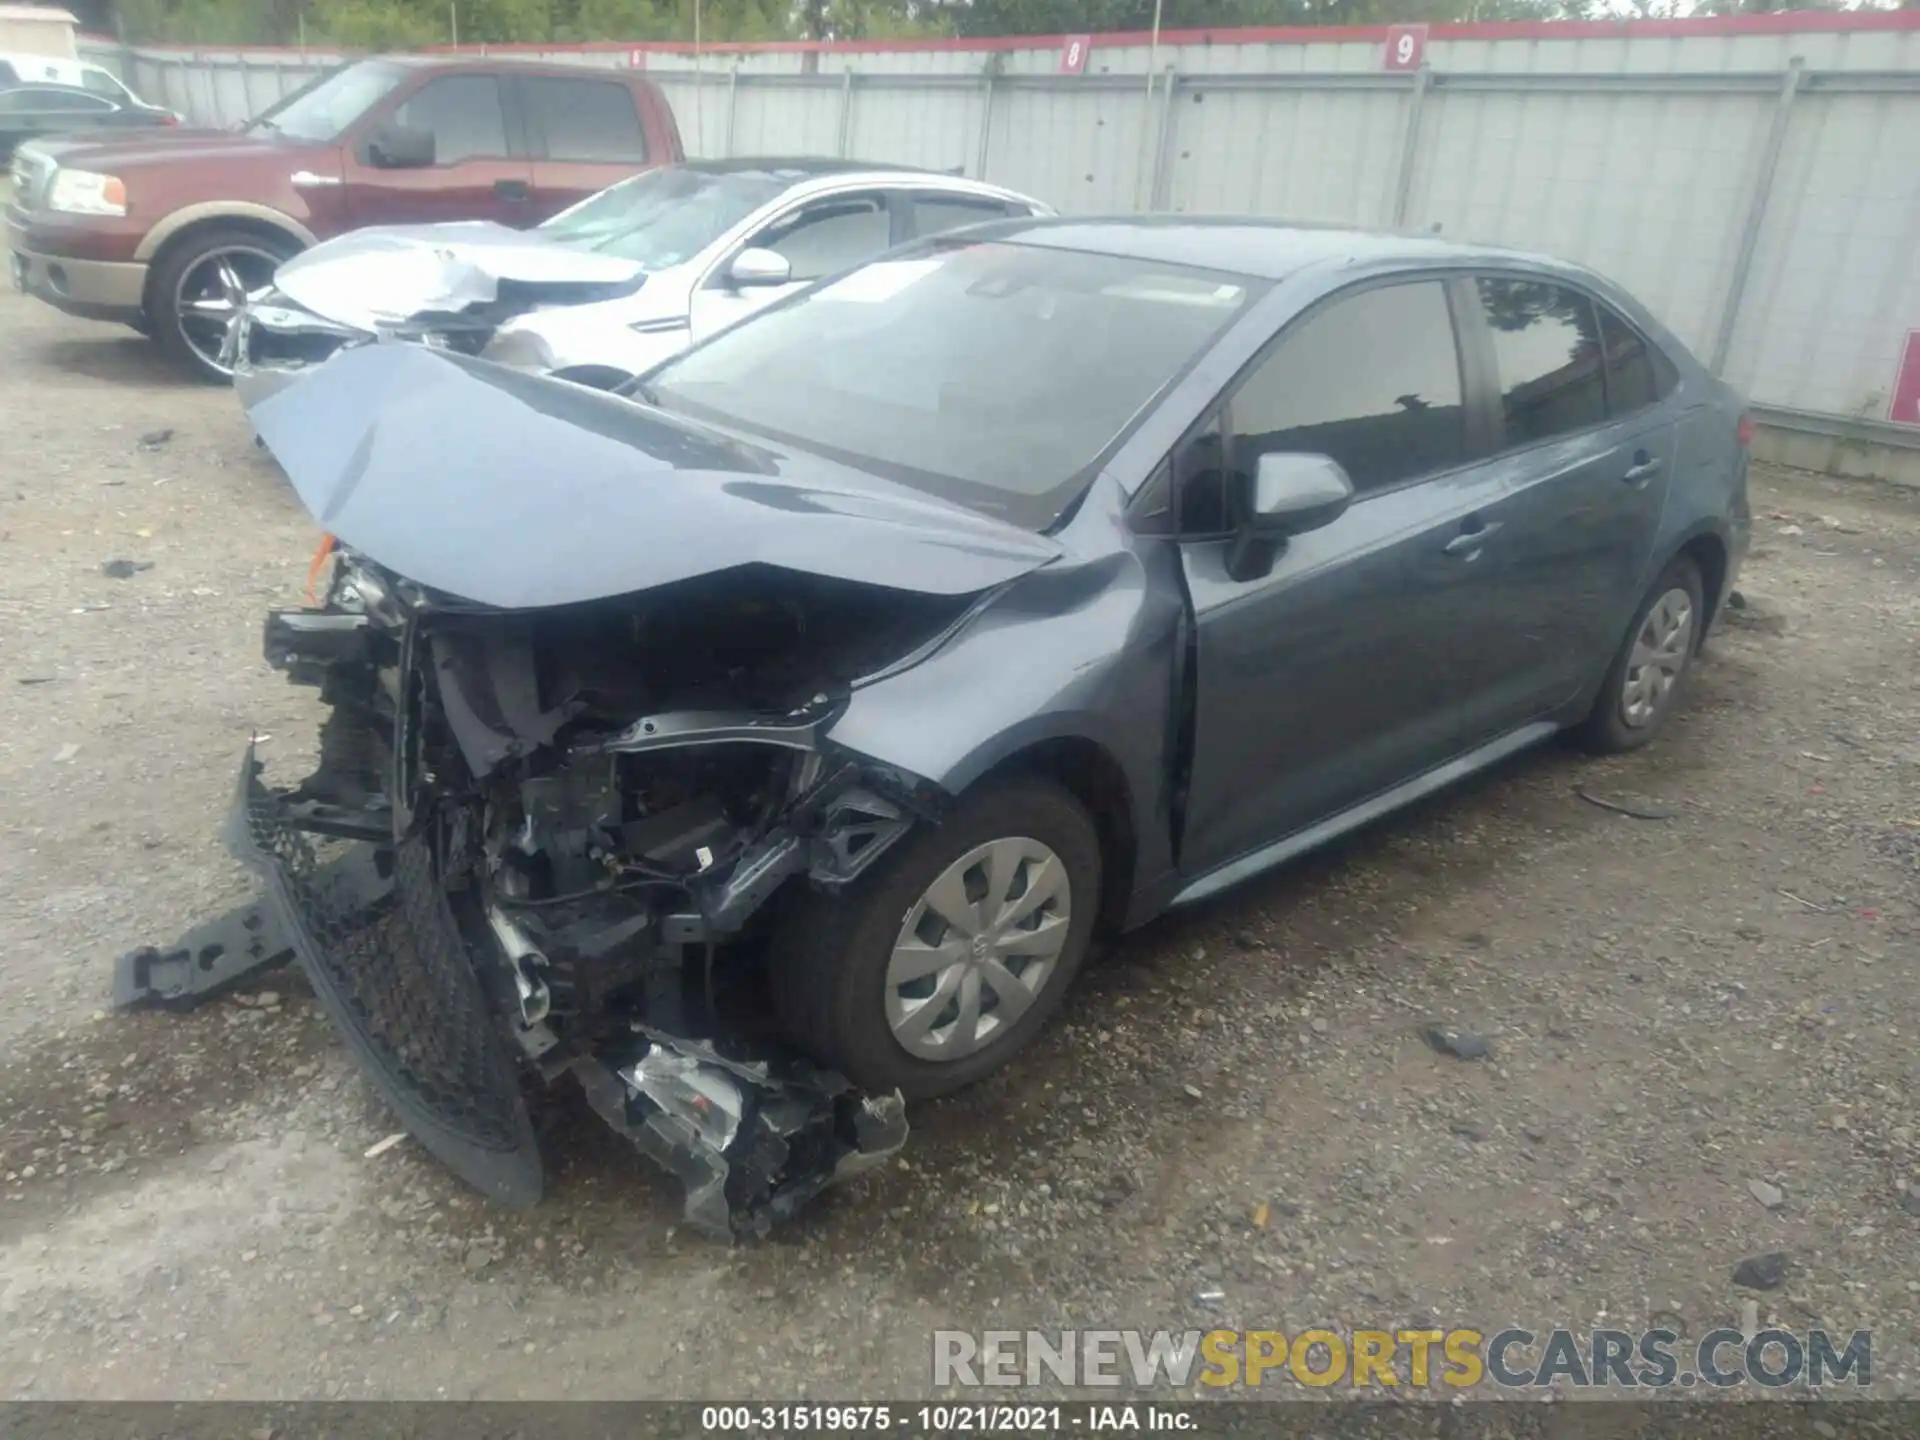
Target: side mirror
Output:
[(401, 147), (1292, 494), (754, 266)]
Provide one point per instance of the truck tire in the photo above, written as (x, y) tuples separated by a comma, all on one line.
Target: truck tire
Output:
[(198, 287)]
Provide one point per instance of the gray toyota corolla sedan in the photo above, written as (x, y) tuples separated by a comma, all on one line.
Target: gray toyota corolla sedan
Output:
[(878, 654)]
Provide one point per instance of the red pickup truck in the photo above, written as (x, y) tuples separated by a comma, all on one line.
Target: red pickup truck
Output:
[(169, 232)]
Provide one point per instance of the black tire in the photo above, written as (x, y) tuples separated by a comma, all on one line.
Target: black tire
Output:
[(830, 954), (264, 252), (1607, 730)]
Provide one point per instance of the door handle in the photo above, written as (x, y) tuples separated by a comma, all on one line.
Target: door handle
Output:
[(1644, 467), (1468, 543), (513, 189)]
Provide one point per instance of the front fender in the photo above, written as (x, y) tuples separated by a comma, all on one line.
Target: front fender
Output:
[(1082, 652)]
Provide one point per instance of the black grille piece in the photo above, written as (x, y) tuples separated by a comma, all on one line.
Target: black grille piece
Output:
[(399, 985)]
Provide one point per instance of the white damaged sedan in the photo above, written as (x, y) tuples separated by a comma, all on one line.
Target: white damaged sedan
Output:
[(614, 285)]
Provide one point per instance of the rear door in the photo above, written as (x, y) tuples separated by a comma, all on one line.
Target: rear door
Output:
[(1324, 681), (1583, 451), (582, 134), (818, 237), (479, 171)]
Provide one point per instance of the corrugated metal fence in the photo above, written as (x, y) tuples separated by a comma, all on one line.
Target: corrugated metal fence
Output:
[(1756, 182)]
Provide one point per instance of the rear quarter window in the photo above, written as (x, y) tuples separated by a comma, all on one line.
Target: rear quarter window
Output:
[(1638, 373)]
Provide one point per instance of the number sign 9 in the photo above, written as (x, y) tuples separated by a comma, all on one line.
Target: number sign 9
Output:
[(1406, 47)]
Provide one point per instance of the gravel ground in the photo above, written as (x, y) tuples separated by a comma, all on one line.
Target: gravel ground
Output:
[(1237, 1101)]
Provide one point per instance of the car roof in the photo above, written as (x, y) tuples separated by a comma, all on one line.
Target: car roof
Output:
[(805, 165), (1262, 249), (56, 86), (533, 64)]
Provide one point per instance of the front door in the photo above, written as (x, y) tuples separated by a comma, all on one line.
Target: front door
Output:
[(817, 238), (476, 173), (1584, 453), (1325, 681)]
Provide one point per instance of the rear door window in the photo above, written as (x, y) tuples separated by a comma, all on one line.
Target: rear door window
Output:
[(588, 121), (935, 214), (1371, 379), (463, 113), (1546, 351)]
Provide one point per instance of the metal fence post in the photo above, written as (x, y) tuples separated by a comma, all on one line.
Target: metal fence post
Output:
[(986, 126), (846, 109), (733, 105), (1756, 214), (1162, 182), (1410, 145)]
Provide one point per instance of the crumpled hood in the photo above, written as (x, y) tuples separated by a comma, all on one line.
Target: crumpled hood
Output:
[(519, 491), (389, 274)]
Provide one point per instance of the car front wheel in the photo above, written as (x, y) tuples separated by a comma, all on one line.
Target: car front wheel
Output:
[(933, 971), (1648, 674)]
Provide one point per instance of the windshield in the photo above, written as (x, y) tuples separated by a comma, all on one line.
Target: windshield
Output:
[(665, 216), (322, 111), (992, 374)]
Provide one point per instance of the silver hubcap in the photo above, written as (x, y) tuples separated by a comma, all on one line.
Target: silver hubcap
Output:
[(978, 948), (212, 297), (1659, 654)]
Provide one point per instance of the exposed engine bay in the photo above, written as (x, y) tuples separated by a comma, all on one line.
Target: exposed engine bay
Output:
[(583, 817)]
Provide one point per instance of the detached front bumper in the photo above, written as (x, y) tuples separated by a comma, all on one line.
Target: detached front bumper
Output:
[(752, 1138), (395, 979)]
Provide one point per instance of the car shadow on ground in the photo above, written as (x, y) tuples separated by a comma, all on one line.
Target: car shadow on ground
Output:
[(117, 357)]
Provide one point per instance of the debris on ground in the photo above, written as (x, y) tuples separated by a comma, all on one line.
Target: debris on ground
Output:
[(1771, 1196), (65, 753), (124, 569), (1461, 1044), (1638, 806), (380, 1147), (34, 680), (1762, 1272), (154, 439)]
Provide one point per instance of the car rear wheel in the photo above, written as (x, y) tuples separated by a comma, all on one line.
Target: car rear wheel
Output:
[(933, 971), (1647, 676), (199, 290)]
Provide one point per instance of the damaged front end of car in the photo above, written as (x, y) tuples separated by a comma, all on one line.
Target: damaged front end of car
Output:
[(582, 663), (583, 837), (449, 287)]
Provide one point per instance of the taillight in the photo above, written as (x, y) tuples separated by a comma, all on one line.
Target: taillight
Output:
[(1744, 432)]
